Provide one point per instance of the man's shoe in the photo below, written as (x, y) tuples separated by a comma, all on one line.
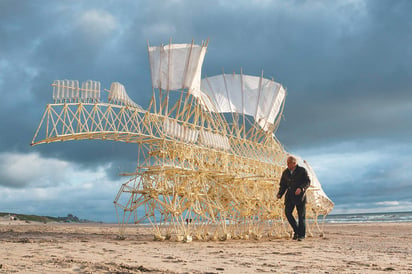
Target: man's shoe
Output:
[(295, 236), (301, 238)]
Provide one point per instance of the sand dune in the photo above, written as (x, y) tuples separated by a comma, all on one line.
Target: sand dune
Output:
[(96, 248)]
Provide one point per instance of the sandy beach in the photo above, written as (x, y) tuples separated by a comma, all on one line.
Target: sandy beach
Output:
[(96, 248)]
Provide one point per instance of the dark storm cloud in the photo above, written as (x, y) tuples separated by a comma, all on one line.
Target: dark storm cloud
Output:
[(346, 67), (364, 173), (47, 44), (362, 89)]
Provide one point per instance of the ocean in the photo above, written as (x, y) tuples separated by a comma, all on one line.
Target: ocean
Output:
[(387, 217)]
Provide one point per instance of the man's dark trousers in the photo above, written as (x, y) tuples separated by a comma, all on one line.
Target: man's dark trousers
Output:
[(300, 227)]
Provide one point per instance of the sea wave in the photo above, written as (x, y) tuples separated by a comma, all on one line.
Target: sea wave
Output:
[(389, 217)]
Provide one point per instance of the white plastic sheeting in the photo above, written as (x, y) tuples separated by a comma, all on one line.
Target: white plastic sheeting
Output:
[(316, 196), (69, 91), (65, 90), (173, 129), (214, 140), (185, 134), (177, 66), (90, 91), (118, 95), (244, 94)]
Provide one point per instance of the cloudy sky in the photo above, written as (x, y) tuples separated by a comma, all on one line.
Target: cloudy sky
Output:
[(347, 67)]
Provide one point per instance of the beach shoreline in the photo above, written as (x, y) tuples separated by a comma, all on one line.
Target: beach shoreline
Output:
[(97, 248)]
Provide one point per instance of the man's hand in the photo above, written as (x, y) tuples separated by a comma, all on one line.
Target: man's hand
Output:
[(298, 191)]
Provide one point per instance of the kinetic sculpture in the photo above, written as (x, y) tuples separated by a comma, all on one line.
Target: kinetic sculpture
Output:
[(209, 163)]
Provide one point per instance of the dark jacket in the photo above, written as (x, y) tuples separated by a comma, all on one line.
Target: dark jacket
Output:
[(290, 183)]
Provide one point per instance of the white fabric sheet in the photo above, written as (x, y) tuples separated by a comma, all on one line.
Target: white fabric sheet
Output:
[(177, 66), (118, 95), (244, 94)]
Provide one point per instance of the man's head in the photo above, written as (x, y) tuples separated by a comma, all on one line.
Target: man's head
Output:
[(291, 162)]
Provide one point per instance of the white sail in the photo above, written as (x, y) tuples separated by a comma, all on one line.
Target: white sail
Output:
[(177, 66), (244, 94)]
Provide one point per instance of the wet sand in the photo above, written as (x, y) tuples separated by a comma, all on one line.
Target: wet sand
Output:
[(96, 248)]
